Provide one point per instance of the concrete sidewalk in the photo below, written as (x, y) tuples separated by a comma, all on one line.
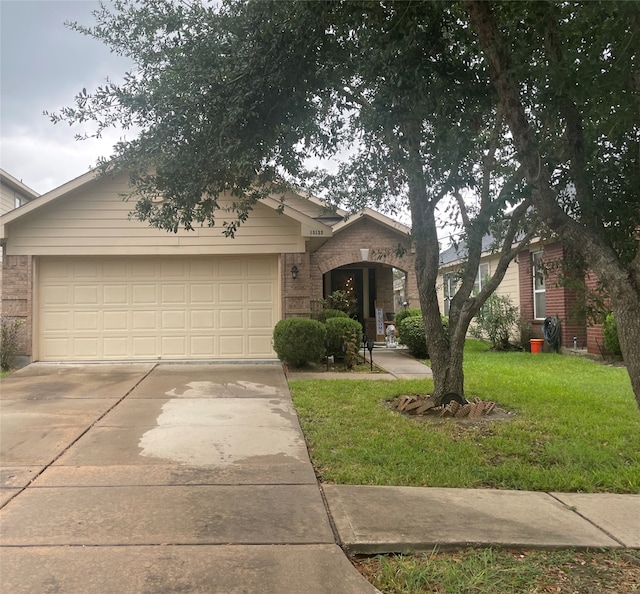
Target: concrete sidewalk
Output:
[(402, 519), (400, 364)]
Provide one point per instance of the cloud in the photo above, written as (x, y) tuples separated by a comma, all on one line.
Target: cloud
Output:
[(44, 65), (46, 161)]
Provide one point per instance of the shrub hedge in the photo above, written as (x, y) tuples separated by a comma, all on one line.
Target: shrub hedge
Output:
[(411, 334), (299, 341), (610, 335)]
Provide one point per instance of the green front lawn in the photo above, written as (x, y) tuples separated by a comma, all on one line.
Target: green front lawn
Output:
[(573, 426)]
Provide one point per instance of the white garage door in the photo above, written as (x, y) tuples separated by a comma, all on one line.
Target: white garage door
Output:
[(123, 308)]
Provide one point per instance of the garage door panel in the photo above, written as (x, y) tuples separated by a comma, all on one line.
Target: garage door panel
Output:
[(259, 293), (144, 320), (151, 307), (231, 293), (144, 347), (202, 320), (115, 321), (87, 321), (145, 294), (231, 319), (174, 294), (202, 293), (58, 321), (87, 346), (258, 344), (115, 295), (231, 346), (116, 348), (174, 320), (260, 318), (203, 346), (56, 295)]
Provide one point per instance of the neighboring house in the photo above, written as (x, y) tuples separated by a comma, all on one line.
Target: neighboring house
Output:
[(92, 284), (542, 295), (13, 194), (532, 284), (450, 260)]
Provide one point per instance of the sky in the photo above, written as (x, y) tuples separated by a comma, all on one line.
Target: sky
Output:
[(43, 65)]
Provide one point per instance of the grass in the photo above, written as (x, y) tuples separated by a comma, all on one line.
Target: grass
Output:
[(574, 427), (499, 571)]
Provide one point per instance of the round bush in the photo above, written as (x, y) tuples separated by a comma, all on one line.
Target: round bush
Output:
[(411, 334), (342, 331), (299, 341), (407, 313), (610, 335), (327, 314)]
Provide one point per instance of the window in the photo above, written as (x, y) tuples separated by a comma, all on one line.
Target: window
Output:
[(539, 291), (449, 290), (481, 278), (17, 203)]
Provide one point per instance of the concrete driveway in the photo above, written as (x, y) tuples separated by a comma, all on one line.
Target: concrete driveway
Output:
[(160, 478)]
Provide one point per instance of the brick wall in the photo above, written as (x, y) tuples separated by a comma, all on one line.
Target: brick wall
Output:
[(302, 295), (17, 297), (560, 301), (595, 340)]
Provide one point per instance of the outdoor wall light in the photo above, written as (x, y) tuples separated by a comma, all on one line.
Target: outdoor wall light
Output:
[(294, 272)]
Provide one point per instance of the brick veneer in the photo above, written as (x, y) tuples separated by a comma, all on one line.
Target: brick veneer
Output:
[(17, 297), (302, 295), (560, 301)]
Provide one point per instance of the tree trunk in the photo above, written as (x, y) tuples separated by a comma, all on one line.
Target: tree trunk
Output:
[(626, 308), (620, 279)]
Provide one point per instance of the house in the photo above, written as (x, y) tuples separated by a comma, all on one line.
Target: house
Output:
[(532, 283), (452, 258), (13, 194), (91, 284)]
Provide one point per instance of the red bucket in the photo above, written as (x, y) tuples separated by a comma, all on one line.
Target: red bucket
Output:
[(536, 345)]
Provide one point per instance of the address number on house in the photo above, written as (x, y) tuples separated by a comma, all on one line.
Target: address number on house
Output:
[(316, 232)]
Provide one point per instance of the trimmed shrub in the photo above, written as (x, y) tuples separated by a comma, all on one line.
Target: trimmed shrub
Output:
[(326, 314), (9, 343), (407, 313), (299, 341), (341, 331), (610, 335), (411, 334)]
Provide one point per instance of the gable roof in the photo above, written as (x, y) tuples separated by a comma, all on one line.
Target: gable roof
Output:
[(310, 226), (375, 216), (459, 251), (320, 226)]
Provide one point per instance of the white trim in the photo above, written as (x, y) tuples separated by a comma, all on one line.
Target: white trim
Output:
[(537, 291)]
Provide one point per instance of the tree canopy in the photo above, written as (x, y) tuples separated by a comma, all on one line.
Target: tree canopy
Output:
[(485, 108)]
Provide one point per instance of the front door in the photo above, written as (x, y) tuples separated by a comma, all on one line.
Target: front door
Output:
[(349, 280)]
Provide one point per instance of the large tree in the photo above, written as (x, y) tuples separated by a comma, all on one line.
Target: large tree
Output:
[(568, 76), (234, 100)]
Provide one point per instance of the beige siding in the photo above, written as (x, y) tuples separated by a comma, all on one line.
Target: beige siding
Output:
[(509, 285), (10, 189), (93, 220)]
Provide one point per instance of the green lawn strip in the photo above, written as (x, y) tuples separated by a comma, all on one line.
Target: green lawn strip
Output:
[(575, 427), (499, 571)]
